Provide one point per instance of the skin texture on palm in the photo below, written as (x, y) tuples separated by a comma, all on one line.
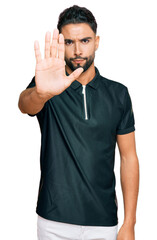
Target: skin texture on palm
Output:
[(50, 74)]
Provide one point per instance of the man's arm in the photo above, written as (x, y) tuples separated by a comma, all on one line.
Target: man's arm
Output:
[(129, 172), (50, 75), (30, 101)]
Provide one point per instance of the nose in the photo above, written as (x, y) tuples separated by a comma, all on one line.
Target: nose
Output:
[(77, 50)]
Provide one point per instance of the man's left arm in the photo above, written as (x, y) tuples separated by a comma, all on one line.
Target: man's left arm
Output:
[(129, 176)]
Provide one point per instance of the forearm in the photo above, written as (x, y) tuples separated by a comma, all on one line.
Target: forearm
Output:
[(130, 187), (30, 101)]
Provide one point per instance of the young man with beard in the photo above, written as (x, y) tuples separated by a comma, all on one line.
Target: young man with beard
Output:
[(81, 116)]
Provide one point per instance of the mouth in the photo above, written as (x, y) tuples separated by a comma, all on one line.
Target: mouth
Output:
[(78, 60)]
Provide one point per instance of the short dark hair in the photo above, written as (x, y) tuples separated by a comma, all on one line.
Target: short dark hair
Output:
[(76, 14)]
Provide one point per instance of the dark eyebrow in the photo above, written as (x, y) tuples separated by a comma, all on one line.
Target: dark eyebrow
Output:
[(86, 38), (68, 40)]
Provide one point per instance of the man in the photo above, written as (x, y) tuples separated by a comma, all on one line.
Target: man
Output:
[(81, 116)]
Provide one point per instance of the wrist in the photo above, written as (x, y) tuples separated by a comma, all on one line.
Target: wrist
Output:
[(41, 97), (129, 222)]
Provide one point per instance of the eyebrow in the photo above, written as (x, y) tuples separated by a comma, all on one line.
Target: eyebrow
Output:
[(86, 38)]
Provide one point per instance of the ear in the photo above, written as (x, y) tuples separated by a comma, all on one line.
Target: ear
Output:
[(97, 39)]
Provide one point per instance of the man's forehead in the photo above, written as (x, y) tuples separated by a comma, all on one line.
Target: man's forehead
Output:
[(78, 30)]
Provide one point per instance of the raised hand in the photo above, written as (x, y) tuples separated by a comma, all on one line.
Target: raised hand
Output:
[(50, 77)]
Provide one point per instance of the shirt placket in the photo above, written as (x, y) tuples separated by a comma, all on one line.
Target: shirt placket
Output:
[(85, 101)]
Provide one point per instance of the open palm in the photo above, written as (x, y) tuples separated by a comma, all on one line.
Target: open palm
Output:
[(50, 77)]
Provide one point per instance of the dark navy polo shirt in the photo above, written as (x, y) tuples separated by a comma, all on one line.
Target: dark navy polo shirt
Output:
[(78, 139)]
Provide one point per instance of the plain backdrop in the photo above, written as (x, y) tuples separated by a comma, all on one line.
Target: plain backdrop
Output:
[(127, 53)]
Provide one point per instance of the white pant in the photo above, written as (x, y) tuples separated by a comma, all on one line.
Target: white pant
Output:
[(53, 230)]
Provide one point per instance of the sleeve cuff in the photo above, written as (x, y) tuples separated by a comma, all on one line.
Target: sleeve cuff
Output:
[(125, 131), (32, 115)]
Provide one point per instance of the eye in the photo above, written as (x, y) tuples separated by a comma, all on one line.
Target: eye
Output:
[(85, 40), (68, 42)]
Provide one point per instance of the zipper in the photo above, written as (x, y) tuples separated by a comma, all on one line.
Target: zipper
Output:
[(85, 102)]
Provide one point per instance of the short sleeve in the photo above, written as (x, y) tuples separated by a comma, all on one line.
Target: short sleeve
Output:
[(127, 122), (30, 85)]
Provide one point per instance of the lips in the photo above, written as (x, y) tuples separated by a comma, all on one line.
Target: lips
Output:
[(78, 60)]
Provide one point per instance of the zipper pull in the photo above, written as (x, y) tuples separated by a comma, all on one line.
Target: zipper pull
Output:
[(85, 102)]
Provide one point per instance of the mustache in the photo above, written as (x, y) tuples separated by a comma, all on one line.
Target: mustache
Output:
[(71, 59)]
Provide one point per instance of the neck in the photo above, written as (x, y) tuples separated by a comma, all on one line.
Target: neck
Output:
[(86, 76)]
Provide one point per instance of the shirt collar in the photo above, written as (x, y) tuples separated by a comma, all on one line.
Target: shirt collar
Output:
[(93, 83)]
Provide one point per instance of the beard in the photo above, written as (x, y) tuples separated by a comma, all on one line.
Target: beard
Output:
[(87, 64)]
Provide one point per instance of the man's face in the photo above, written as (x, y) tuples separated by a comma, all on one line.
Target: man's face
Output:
[(80, 45)]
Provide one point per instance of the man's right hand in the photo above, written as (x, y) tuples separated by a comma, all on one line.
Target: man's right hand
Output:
[(50, 77)]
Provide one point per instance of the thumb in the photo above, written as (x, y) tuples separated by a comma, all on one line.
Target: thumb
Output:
[(75, 74)]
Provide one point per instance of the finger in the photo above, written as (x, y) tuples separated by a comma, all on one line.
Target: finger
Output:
[(54, 45), (75, 74), (47, 44), (61, 47), (37, 52)]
